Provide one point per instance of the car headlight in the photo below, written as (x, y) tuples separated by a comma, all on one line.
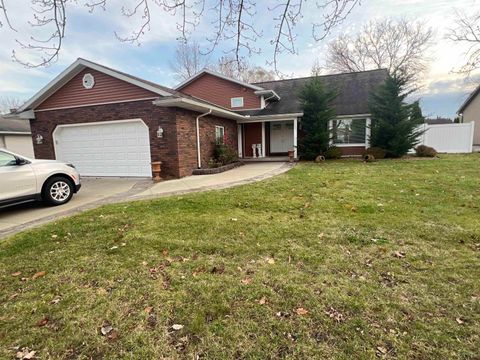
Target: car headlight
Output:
[(71, 165)]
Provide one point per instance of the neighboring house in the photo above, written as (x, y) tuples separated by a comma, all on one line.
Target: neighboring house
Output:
[(15, 136), (438, 121), (109, 123), (470, 112)]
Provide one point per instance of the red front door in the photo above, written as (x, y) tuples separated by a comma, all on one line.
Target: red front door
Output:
[(252, 134)]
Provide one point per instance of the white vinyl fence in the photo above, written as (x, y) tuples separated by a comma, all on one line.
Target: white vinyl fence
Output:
[(449, 138)]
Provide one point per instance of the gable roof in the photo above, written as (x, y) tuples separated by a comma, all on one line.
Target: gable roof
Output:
[(221, 76), (14, 126), (469, 99), (353, 93), (76, 68)]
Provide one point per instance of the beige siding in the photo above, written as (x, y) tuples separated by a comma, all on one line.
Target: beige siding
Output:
[(472, 114), (19, 144)]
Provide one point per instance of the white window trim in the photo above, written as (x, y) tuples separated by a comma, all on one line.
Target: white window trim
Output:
[(367, 131), (236, 98), (223, 130)]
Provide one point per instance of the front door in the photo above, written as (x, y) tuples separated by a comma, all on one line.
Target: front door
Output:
[(281, 136)]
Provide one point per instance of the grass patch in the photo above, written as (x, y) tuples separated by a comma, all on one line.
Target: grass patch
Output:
[(384, 258)]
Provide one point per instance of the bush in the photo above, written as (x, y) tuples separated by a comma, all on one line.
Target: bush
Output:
[(333, 152), (224, 154), (376, 152), (425, 151)]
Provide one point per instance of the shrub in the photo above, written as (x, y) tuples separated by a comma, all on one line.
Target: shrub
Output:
[(425, 151), (378, 153), (333, 152), (224, 154)]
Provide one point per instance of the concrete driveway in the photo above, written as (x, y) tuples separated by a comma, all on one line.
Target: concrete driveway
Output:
[(93, 192)]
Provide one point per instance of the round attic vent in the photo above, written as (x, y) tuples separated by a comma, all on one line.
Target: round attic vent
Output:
[(88, 81)]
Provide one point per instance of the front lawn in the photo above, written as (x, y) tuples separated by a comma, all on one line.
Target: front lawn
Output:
[(341, 260)]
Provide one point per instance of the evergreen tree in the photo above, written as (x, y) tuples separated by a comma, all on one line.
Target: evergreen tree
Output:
[(318, 110), (394, 126)]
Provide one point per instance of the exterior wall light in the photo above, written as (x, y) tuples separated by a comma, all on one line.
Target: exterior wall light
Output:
[(160, 132), (39, 139)]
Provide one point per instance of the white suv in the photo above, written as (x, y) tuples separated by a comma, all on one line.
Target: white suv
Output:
[(23, 179)]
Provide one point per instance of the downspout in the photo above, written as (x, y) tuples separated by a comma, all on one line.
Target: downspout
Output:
[(197, 124)]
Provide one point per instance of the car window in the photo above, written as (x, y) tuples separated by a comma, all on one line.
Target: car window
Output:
[(7, 159)]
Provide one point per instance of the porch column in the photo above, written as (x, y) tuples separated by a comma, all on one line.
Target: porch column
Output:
[(263, 140), (240, 140), (295, 137)]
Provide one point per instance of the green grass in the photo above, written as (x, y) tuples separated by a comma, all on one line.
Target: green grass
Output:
[(320, 237)]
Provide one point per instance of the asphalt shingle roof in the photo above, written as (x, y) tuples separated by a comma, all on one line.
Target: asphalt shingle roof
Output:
[(353, 93)]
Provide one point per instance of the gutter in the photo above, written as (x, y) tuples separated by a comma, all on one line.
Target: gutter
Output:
[(197, 124)]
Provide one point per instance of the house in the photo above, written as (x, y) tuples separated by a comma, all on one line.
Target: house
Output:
[(470, 112), (109, 123), (438, 121), (15, 136)]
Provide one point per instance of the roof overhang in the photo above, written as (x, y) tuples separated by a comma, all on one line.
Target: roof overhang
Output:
[(197, 106), (15, 133), (74, 69), (270, 93), (468, 100), (266, 118), (221, 76)]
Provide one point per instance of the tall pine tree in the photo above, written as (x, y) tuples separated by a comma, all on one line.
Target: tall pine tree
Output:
[(318, 110), (394, 126)]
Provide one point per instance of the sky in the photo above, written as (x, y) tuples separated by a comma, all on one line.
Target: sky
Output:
[(92, 36)]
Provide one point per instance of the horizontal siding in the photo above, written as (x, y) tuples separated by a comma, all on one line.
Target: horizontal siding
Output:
[(106, 89), (219, 91)]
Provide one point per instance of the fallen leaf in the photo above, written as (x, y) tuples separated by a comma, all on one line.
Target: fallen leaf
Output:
[(165, 252), (381, 350), (234, 219), (55, 301), (246, 281), (106, 328), (177, 327), (301, 311), (320, 236), (17, 273), (42, 322), (262, 301), (112, 335), (38, 275), (459, 321), (54, 236), (26, 354), (271, 261), (399, 254), (148, 309)]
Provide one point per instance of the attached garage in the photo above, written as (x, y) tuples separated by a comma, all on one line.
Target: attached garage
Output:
[(111, 148)]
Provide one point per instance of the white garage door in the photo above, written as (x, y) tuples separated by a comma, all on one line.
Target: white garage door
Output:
[(105, 149)]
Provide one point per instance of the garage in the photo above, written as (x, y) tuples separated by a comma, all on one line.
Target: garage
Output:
[(111, 148)]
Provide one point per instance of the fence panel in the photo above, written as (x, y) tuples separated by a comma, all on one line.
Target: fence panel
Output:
[(449, 138)]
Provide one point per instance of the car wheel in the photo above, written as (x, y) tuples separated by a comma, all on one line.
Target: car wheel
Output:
[(57, 191)]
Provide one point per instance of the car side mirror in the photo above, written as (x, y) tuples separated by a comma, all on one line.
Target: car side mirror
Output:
[(21, 161)]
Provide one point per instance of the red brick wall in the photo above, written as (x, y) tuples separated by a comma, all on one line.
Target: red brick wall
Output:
[(187, 143), (219, 91), (176, 150), (352, 150), (106, 89)]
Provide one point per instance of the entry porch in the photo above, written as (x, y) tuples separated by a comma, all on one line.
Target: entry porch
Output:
[(267, 139)]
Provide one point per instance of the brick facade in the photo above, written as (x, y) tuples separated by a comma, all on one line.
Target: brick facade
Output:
[(177, 148)]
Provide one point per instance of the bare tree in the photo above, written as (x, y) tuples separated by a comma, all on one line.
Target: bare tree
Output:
[(188, 60), (317, 68), (243, 71), (8, 103), (398, 46), (467, 31), (236, 23)]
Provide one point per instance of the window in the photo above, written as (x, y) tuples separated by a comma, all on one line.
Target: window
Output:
[(7, 159), (236, 102), (349, 131), (219, 135)]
